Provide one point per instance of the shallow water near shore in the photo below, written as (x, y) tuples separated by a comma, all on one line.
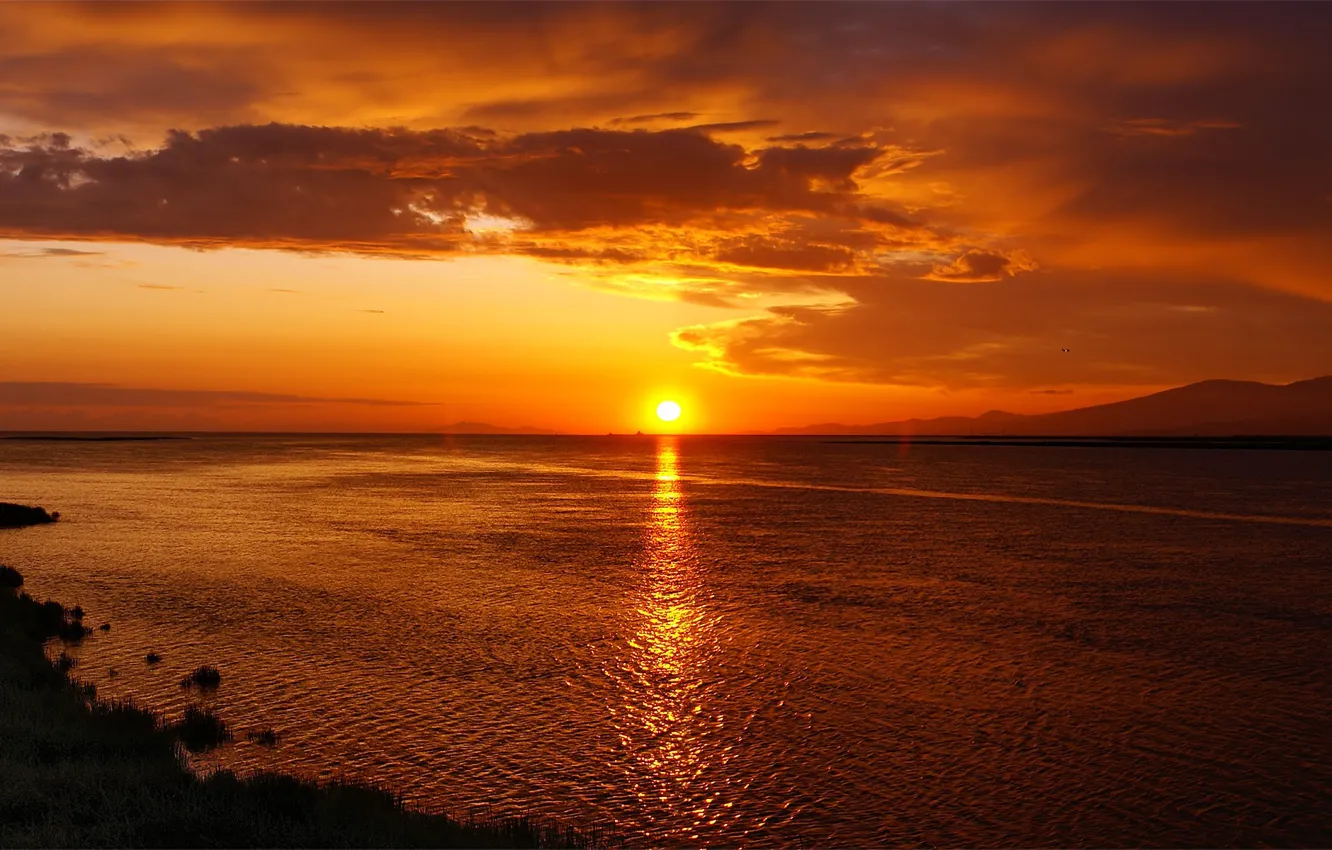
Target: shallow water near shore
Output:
[(727, 640)]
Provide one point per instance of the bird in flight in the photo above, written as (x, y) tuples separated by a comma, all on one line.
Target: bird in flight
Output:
[(1065, 350)]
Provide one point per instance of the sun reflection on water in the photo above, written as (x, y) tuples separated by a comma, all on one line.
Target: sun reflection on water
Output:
[(668, 734)]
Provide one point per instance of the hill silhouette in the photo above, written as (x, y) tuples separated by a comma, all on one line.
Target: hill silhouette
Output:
[(1215, 408), (483, 428)]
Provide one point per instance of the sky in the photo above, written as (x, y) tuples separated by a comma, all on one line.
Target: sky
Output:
[(389, 217)]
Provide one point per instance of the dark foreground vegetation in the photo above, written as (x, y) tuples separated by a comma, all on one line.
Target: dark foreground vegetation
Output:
[(17, 516), (76, 771)]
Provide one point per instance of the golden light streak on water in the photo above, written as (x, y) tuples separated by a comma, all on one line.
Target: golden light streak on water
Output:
[(664, 676)]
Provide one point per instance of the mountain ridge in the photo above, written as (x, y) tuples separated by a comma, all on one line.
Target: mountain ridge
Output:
[(1210, 408), (485, 428)]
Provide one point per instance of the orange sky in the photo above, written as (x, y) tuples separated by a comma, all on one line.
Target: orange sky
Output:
[(395, 217)]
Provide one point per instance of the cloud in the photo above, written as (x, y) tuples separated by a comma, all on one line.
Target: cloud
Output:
[(1176, 144), (652, 119), (160, 287), (73, 394), (735, 126), (812, 136), (1165, 127), (977, 266), (608, 195), (1121, 331), (48, 254), (791, 255)]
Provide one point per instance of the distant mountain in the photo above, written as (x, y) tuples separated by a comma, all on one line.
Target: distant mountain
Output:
[(484, 428), (1207, 408)]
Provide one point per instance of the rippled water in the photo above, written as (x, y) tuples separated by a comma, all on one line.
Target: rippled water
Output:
[(722, 641)]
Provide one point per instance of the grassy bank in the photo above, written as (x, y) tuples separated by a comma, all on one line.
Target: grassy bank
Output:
[(80, 772)]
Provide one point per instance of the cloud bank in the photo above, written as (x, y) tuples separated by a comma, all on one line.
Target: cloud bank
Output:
[(924, 194)]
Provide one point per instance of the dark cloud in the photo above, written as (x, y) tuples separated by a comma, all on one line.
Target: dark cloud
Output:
[(407, 192), (976, 266), (734, 126), (1165, 127), (812, 136), (66, 394), (48, 254), (768, 253), (652, 119)]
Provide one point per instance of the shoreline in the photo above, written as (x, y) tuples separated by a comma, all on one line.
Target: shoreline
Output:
[(82, 771), (22, 516)]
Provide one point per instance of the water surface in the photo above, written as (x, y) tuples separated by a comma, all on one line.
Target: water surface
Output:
[(728, 640)]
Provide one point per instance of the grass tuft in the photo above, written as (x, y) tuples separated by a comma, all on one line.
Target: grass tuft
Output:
[(74, 631), (203, 677), (268, 737), (152, 658), (200, 729)]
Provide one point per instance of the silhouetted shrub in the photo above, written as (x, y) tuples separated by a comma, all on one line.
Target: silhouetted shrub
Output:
[(106, 627), (268, 737), (204, 677), (76, 612), (10, 577), (73, 631), (200, 729), (152, 658), (64, 663)]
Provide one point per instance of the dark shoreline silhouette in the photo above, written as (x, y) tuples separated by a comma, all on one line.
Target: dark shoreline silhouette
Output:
[(108, 773), (146, 438), (19, 516)]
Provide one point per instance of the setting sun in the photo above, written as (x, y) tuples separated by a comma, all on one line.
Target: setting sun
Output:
[(668, 411)]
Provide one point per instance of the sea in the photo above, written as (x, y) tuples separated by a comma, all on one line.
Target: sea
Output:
[(725, 641)]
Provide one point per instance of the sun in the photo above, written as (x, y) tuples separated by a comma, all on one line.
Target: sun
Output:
[(668, 411)]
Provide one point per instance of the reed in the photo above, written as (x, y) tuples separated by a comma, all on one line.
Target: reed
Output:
[(268, 737), (203, 677), (200, 729)]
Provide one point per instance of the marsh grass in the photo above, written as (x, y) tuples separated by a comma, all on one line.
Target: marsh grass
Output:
[(203, 677), (82, 772), (73, 631), (200, 729), (267, 737)]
